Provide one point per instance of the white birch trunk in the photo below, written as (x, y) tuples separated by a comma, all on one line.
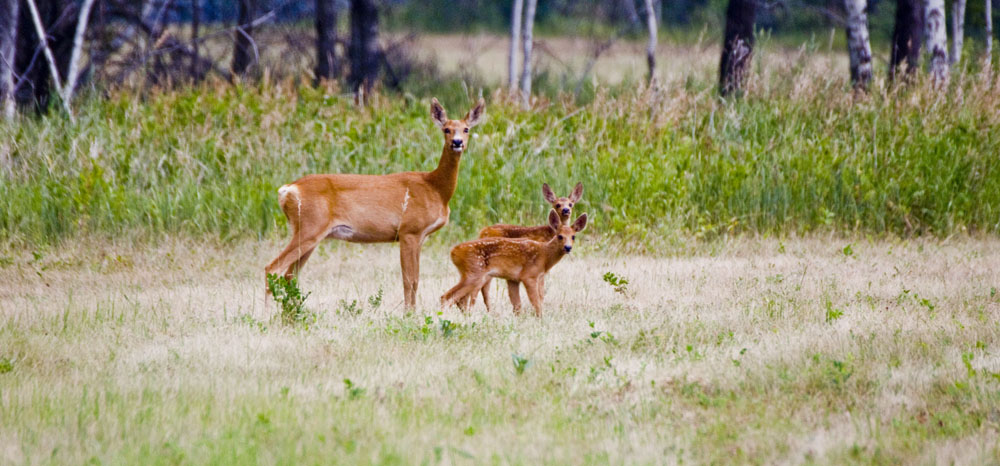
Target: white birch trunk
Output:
[(8, 46), (527, 38), (651, 46), (937, 40), (957, 30), (515, 40), (989, 32), (858, 45)]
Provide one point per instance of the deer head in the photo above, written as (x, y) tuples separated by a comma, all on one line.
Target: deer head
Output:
[(565, 233), (456, 132), (563, 205)]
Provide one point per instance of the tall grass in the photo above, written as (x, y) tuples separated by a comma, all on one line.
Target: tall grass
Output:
[(799, 153)]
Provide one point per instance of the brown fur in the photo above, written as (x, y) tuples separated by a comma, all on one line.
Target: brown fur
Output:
[(561, 205), (404, 207), (517, 260)]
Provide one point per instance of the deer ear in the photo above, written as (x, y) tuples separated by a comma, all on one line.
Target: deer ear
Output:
[(580, 223), (554, 220), (577, 192), (475, 116), (550, 196), (438, 114)]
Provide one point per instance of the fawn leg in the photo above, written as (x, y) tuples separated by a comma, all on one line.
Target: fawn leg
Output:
[(514, 292), (531, 286)]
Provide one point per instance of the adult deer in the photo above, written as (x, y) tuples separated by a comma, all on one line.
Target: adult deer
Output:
[(517, 260), (404, 207), (561, 205)]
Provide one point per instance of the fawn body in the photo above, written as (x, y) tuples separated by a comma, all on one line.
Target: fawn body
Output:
[(404, 207), (517, 260), (563, 206)]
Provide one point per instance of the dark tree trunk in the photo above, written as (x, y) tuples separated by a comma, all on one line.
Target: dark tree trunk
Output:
[(364, 50), (195, 26), (906, 37), (737, 45), (327, 66), (59, 18), (8, 47), (244, 51)]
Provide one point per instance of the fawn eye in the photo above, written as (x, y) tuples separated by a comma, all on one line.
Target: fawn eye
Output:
[(574, 236), (466, 130), (560, 237), (571, 205)]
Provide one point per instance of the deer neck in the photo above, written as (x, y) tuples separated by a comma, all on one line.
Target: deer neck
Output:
[(444, 178), (553, 252)]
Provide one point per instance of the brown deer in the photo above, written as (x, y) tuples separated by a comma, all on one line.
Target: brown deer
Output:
[(562, 205), (517, 260), (404, 207)]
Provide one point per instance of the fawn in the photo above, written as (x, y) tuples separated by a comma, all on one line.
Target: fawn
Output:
[(562, 205), (517, 260), (404, 207)]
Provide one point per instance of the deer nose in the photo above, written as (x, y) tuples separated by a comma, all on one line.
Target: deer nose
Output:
[(566, 211), (568, 248), (456, 142)]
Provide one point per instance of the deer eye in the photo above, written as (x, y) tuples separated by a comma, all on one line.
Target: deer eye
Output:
[(447, 131), (574, 236), (466, 130), (560, 237), (571, 205)]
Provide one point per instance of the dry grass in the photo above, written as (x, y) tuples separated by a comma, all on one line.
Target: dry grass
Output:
[(167, 354)]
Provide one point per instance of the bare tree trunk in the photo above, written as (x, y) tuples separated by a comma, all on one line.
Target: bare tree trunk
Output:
[(957, 30), (528, 41), (737, 45), (195, 26), (515, 40), (858, 46), (906, 37), (244, 49), (8, 46), (651, 45), (937, 40), (327, 66), (989, 32), (364, 49)]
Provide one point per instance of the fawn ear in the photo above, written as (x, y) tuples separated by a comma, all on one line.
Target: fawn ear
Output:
[(438, 114), (550, 196), (554, 221), (580, 223), (475, 116), (577, 192)]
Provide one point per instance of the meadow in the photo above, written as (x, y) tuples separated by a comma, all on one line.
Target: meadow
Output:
[(803, 275)]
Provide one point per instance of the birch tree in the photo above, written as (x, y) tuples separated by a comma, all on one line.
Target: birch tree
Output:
[(989, 32), (515, 41), (937, 39), (858, 46), (737, 45), (651, 45), (957, 30), (528, 41), (8, 46)]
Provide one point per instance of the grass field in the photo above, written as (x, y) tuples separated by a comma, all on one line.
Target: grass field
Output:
[(750, 350)]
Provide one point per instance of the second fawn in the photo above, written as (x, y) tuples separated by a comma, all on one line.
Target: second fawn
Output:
[(517, 260), (562, 205)]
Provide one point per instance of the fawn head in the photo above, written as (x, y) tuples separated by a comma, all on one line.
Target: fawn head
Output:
[(456, 132), (563, 205), (566, 233)]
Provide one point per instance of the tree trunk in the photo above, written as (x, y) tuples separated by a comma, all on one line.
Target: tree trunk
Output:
[(59, 19), (327, 66), (989, 32), (364, 49), (906, 37), (651, 45), (858, 46), (8, 47), (195, 26), (737, 45), (528, 41), (244, 49), (515, 40), (957, 30), (937, 40)]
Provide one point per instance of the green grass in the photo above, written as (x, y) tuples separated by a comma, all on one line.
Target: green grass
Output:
[(797, 155)]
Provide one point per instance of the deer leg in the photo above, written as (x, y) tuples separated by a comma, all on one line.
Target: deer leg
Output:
[(300, 246), (293, 270), (514, 292), (541, 286), (531, 286), (409, 260), (460, 293), (485, 290)]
